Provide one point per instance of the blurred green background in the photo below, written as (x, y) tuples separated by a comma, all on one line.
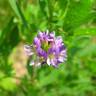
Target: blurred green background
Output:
[(74, 20)]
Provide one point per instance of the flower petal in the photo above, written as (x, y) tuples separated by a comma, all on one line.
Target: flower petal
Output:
[(61, 59), (28, 50), (48, 61), (58, 41), (32, 63), (52, 34), (37, 42)]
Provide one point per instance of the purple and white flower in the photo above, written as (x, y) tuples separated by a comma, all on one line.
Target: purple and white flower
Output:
[(47, 49)]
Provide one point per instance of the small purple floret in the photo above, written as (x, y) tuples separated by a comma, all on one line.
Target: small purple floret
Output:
[(47, 48)]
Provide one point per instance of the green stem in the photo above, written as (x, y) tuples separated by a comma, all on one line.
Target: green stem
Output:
[(50, 17), (66, 10)]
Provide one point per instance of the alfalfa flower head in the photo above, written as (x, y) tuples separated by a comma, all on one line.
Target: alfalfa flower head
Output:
[(46, 49)]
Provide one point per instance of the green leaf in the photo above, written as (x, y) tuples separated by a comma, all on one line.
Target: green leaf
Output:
[(15, 6), (7, 37), (45, 80), (8, 84), (42, 4), (85, 31), (5, 31), (78, 13), (89, 50), (8, 40)]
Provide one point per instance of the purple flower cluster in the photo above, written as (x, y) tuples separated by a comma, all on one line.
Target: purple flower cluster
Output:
[(46, 49)]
